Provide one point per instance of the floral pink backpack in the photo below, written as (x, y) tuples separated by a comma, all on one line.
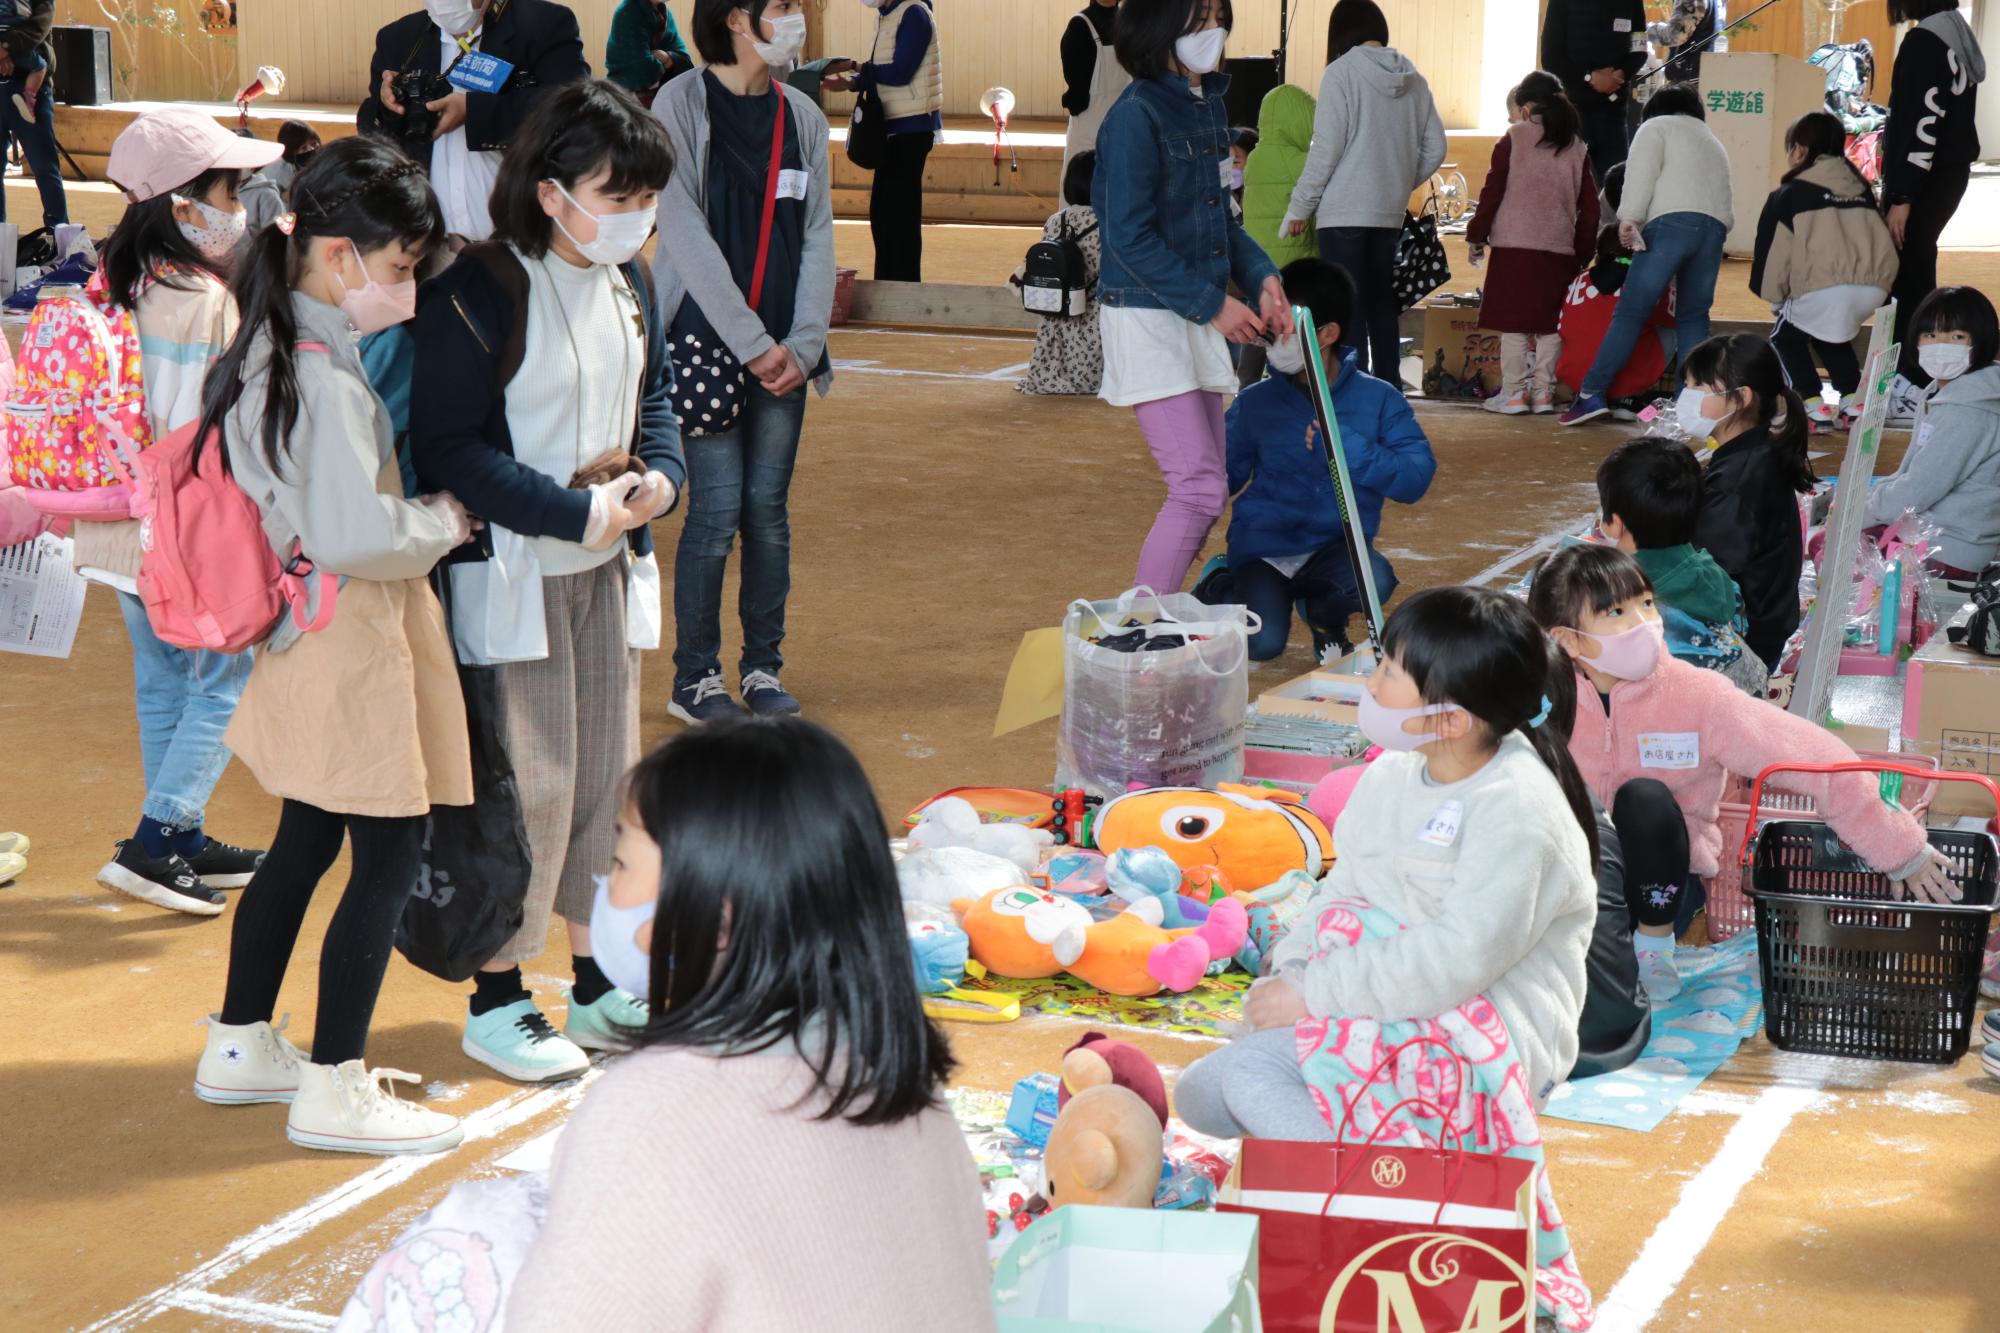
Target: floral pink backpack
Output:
[(78, 377)]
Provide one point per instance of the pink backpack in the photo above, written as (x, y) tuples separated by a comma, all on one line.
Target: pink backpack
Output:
[(78, 379), (207, 573)]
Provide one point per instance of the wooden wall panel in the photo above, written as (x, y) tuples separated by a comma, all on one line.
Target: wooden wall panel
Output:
[(158, 50)]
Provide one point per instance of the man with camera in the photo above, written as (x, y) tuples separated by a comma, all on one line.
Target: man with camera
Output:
[(452, 83)]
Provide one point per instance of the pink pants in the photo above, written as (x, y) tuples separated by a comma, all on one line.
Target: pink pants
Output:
[(1185, 433)]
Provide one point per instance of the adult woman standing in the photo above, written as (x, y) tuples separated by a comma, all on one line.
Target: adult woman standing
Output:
[(1171, 246), (541, 366), (1092, 76), (747, 265), (1928, 149), (907, 71), (1376, 137)]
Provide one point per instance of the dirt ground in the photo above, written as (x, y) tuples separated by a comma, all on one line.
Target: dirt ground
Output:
[(937, 515)]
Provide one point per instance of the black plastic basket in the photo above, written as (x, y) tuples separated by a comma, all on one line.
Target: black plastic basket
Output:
[(1851, 967)]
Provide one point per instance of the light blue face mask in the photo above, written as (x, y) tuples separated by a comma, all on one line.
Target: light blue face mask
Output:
[(613, 940)]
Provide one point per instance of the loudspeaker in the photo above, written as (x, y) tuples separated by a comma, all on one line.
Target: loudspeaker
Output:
[(82, 60), (1250, 77)]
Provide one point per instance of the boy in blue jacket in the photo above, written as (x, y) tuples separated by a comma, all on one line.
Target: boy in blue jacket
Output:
[(1286, 546)]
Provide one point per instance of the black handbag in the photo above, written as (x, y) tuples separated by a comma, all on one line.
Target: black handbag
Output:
[(472, 880), (1421, 264), (868, 131)]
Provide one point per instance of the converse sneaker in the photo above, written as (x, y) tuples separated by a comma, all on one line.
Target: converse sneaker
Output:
[(1542, 402), (165, 881), (349, 1108), (12, 865), (707, 700), (251, 1062), (1658, 974), (1989, 1060), (224, 867), (1584, 409), (602, 1026), (1904, 400), (766, 697), (518, 1041), (14, 844), (1513, 404)]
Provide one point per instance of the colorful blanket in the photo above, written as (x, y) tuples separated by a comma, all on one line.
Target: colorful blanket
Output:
[(1212, 1009)]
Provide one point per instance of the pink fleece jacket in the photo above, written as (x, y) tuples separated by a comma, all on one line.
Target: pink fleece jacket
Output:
[(1691, 728)]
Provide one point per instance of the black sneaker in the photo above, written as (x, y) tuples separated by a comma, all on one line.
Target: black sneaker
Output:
[(766, 697), (222, 866), (707, 700), (165, 881)]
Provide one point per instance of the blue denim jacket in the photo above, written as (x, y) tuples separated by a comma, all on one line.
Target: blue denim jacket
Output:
[(1170, 239)]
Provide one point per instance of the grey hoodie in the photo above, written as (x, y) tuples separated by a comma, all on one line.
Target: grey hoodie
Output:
[(1951, 28), (1951, 474), (1376, 137)]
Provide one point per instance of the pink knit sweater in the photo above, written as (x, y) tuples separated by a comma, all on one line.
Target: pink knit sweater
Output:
[(687, 1193), (1691, 728)]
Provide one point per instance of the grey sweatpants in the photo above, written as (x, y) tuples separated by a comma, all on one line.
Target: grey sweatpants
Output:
[(1251, 1088)]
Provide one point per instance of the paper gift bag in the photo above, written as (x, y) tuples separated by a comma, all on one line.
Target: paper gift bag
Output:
[(1379, 1239), (1082, 1269)]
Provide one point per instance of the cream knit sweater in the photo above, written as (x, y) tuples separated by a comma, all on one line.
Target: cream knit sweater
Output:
[(688, 1194)]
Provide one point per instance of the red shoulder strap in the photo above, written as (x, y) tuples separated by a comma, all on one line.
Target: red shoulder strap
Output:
[(770, 198)]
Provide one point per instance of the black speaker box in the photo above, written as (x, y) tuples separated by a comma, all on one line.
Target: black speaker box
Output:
[(82, 64), (1250, 77)]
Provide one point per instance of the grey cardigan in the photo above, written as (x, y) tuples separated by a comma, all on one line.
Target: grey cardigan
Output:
[(326, 496), (687, 262)]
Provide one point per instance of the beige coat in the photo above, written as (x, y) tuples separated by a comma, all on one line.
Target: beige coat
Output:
[(1820, 230)]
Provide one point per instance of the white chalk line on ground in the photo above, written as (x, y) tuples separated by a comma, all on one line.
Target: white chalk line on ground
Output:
[(258, 1314), (485, 1123), (1669, 1253), (1513, 560)]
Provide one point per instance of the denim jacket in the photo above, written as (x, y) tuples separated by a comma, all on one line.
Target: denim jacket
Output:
[(1171, 240)]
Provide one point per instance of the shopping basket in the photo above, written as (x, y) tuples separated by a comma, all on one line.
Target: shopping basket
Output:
[(1729, 910), (1851, 967)]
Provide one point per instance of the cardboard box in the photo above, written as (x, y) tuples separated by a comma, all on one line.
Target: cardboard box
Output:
[(1454, 345), (1951, 711)]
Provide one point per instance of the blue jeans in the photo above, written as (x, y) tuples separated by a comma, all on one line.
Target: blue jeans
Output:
[(185, 700), (1324, 590), (738, 482), (1369, 256), (37, 138), (1681, 248)]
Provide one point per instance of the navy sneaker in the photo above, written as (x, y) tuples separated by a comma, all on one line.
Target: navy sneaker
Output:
[(1584, 409), (165, 881), (222, 866), (72, 272), (707, 700), (766, 697)]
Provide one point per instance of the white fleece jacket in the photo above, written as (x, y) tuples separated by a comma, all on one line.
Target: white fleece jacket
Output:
[(1676, 165), (1504, 910)]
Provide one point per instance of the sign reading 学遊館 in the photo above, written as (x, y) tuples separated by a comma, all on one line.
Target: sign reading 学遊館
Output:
[(1734, 101)]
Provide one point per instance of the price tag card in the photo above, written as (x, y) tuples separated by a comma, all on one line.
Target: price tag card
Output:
[(477, 72)]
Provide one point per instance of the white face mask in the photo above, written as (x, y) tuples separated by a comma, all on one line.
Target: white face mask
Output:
[(219, 233), (873, 4), (1945, 361), (612, 943), (619, 235), (1200, 52), (1687, 408), (788, 38), (456, 17), (1286, 356)]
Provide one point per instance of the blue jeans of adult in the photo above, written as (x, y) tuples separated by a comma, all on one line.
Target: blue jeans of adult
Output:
[(1369, 256), (185, 699), (1324, 590), (738, 482), (1681, 248), (37, 138)]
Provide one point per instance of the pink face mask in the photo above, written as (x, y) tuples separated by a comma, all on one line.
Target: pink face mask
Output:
[(1629, 654), (1384, 725), (378, 305)]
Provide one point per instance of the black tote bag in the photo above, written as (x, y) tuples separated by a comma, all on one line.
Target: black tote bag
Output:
[(868, 131), (1421, 264)]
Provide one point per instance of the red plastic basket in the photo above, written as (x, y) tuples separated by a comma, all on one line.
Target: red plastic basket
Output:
[(1729, 908)]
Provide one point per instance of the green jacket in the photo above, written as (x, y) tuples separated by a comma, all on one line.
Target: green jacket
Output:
[(1284, 132), (1689, 580), (628, 55)]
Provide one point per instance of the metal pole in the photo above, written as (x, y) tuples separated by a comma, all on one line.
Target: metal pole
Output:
[(1284, 35)]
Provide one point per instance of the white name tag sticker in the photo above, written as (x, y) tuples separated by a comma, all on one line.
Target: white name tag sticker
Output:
[(1621, 25), (1670, 749), (792, 184), (1441, 829)]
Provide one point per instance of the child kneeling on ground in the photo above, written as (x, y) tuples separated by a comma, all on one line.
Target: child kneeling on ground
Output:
[(1657, 739), (1461, 908), (1287, 545)]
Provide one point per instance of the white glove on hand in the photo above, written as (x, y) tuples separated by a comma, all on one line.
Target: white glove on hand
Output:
[(445, 506), (655, 496), (611, 515), (1929, 880)]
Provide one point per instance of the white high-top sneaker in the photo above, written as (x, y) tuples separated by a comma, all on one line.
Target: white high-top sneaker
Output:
[(349, 1108), (250, 1062)]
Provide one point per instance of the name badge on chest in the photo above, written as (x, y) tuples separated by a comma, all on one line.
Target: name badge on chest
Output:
[(477, 72), (1670, 749), (793, 184), (1441, 829)]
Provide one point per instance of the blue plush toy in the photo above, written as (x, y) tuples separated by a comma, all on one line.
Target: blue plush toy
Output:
[(938, 949), (1138, 873)]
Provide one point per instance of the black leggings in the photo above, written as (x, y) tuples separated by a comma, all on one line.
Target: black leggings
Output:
[(1653, 832), (1796, 348), (355, 953), (1917, 275), (896, 209)]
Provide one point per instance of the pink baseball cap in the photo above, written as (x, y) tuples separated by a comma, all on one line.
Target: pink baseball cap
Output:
[(164, 150)]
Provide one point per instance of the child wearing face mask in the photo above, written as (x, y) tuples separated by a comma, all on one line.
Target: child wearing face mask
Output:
[(1461, 909), (360, 727), (1950, 475), (541, 398), (165, 269), (1734, 392), (1657, 738), (786, 1099), (1287, 545)]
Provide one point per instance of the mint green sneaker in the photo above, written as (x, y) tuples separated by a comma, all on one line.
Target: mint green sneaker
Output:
[(519, 1042), (596, 1027)]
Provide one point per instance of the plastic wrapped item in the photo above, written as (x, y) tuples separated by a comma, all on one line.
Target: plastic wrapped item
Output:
[(1155, 692)]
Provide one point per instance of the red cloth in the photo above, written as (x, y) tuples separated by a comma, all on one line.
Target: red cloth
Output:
[(1586, 318), (1524, 290)]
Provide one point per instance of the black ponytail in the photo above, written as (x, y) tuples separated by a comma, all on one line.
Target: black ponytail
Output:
[(361, 189), (1483, 652), (1541, 94), (1745, 361)]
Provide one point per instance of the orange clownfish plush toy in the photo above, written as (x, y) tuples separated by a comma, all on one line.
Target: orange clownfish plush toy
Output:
[(1253, 835)]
